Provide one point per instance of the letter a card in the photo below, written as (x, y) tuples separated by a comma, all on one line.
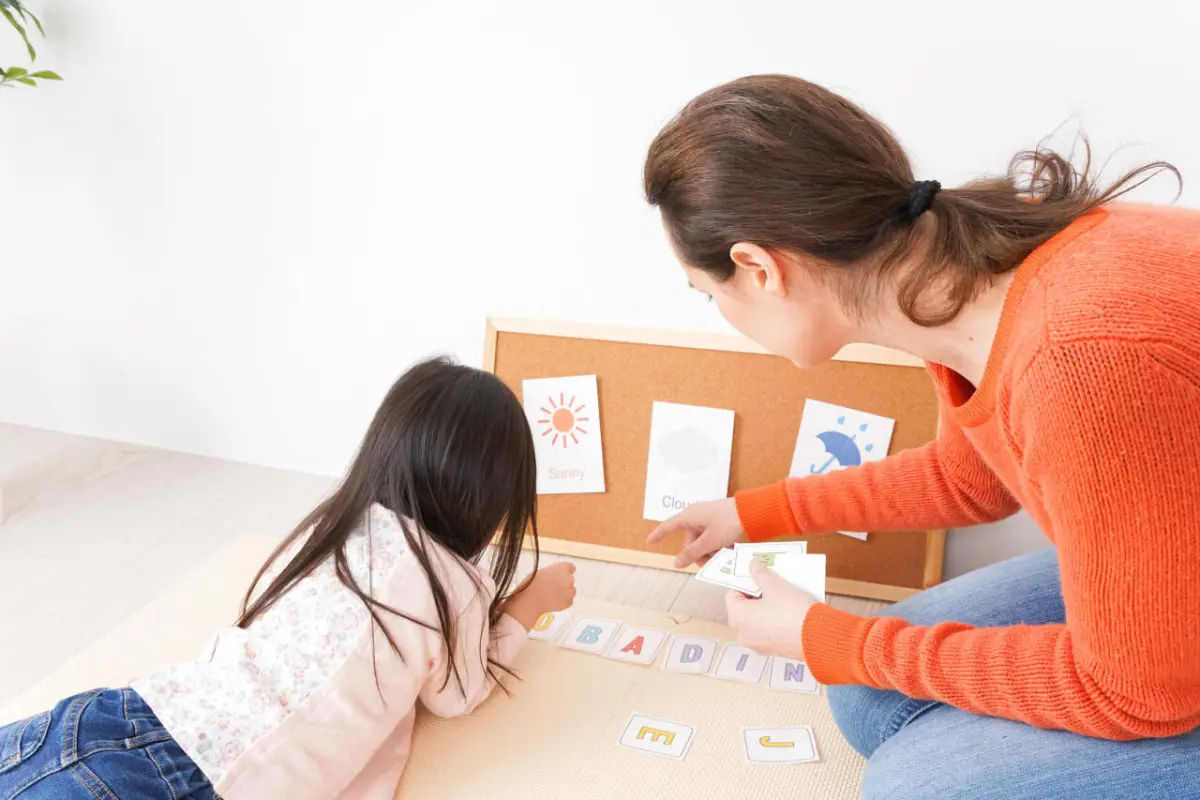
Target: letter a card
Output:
[(564, 414), (657, 736), (637, 645)]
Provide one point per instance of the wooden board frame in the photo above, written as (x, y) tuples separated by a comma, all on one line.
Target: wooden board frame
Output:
[(860, 353)]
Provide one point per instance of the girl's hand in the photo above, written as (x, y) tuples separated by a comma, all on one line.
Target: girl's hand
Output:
[(772, 624), (706, 527), (550, 589)]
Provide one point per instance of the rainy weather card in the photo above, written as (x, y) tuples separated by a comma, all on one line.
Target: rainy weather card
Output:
[(564, 414), (690, 449), (835, 437)]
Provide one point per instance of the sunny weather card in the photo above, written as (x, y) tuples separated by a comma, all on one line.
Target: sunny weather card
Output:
[(835, 437), (690, 450), (564, 414)]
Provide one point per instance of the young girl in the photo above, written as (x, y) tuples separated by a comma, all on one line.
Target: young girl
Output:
[(375, 601)]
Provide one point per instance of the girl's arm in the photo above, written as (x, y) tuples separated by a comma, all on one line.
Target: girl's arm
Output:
[(551, 589), (1109, 433), (477, 643), (943, 484)]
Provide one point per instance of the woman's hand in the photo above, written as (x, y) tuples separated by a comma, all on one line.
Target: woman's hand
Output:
[(770, 625), (550, 589), (706, 527)]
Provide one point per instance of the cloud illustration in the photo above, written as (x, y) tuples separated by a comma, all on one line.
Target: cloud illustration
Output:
[(688, 450)]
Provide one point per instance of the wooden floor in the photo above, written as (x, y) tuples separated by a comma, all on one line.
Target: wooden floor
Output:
[(91, 531)]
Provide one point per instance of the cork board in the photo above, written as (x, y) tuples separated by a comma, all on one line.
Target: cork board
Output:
[(570, 707), (635, 368)]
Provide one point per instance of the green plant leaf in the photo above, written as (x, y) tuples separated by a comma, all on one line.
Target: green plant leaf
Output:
[(20, 29), (27, 81), (46, 75), (17, 72), (3, 74), (36, 22)]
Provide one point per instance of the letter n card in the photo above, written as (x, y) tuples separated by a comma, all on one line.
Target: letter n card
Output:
[(788, 675)]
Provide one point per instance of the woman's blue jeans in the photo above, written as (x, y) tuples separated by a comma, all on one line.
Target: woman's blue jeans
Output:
[(924, 749)]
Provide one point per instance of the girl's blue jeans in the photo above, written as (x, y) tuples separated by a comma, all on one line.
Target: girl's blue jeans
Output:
[(924, 749), (100, 745)]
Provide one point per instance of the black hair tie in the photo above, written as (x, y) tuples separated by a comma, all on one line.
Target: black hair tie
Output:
[(920, 198)]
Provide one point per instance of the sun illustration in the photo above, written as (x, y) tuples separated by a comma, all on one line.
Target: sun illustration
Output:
[(563, 420)]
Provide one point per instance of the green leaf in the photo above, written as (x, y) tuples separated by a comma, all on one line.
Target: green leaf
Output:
[(3, 74), (36, 22), (20, 29), (46, 75), (27, 81), (17, 72)]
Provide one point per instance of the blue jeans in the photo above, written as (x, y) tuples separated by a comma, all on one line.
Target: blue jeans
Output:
[(924, 749), (101, 745)]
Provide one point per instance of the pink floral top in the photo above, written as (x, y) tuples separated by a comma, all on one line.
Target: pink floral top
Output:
[(289, 708)]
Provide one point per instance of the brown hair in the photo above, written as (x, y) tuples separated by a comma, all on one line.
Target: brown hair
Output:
[(451, 454), (791, 166)]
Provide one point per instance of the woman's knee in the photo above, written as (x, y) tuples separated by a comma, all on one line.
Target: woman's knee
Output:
[(869, 717), (856, 711), (1024, 589)]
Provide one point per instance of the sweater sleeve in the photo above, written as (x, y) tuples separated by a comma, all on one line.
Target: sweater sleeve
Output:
[(477, 643), (942, 484), (1108, 435)]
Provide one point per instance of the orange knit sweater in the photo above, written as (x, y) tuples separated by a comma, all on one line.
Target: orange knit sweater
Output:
[(1088, 416)]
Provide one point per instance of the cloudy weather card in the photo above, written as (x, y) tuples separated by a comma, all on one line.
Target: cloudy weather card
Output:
[(690, 450)]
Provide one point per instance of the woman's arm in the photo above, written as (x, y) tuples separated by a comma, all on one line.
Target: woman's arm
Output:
[(943, 484), (1109, 433)]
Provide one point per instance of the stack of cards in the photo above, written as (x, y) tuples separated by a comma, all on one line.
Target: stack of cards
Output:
[(790, 560)]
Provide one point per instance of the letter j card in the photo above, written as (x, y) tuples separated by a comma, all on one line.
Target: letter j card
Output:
[(564, 414)]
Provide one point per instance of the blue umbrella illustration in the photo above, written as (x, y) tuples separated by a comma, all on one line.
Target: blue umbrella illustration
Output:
[(841, 448)]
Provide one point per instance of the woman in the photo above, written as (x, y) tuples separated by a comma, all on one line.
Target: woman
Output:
[(1062, 334)]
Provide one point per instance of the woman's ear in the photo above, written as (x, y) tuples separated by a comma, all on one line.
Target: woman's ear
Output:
[(760, 266)]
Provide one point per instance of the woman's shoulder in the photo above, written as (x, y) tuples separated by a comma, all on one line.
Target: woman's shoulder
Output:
[(1132, 278)]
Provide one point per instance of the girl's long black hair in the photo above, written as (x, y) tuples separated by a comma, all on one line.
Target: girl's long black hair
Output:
[(450, 452)]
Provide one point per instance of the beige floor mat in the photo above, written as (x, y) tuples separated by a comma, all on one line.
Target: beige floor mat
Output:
[(554, 738)]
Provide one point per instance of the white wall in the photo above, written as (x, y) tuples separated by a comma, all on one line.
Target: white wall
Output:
[(234, 224)]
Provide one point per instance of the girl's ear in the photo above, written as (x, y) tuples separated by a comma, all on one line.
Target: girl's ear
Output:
[(760, 267)]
